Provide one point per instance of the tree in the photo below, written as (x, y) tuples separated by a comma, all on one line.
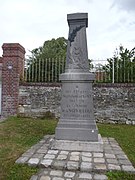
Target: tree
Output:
[(47, 62), (53, 48), (91, 66), (121, 67)]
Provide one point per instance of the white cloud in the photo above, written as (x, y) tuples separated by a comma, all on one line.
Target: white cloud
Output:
[(31, 22), (128, 5)]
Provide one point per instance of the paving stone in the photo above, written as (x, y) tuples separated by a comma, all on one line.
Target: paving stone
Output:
[(108, 151), (48, 137), (34, 148), (97, 154), (114, 167), (118, 152), (113, 142), (111, 156), (42, 141), (53, 152), (34, 177), (45, 178), (56, 173), (38, 145), (87, 154), (128, 168), (27, 154), (85, 176), (42, 151), (124, 162), (71, 165), (100, 167), (74, 158), (111, 139), (49, 156), (99, 160), (45, 146), (59, 164), (31, 151), (86, 166), (57, 178), (87, 159), (62, 157), (106, 142), (112, 161), (44, 172), (115, 146), (107, 146), (75, 153), (69, 174), (100, 177), (122, 156), (22, 160), (117, 149), (38, 155), (33, 162), (46, 162), (64, 152), (105, 139)]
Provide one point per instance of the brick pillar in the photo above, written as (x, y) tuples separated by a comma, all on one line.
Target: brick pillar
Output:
[(12, 71)]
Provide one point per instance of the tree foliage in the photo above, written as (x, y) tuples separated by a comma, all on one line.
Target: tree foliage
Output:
[(47, 62), (53, 48), (121, 67)]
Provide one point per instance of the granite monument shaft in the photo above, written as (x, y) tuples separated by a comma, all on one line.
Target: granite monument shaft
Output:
[(77, 121)]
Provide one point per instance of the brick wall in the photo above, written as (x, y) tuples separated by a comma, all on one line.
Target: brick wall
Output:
[(0, 68), (12, 70)]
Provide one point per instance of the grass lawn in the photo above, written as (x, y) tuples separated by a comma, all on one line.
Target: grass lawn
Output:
[(19, 134), (125, 136), (16, 136)]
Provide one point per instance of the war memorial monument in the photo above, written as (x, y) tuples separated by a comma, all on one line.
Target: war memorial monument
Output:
[(77, 128), (77, 151)]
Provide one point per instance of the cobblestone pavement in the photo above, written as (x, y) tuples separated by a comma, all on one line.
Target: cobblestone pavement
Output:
[(67, 165)]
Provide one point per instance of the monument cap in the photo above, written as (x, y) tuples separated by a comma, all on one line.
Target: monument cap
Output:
[(75, 17)]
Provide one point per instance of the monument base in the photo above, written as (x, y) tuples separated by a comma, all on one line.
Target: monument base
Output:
[(76, 134), (78, 145)]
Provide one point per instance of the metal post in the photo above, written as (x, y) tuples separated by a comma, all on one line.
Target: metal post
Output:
[(113, 72)]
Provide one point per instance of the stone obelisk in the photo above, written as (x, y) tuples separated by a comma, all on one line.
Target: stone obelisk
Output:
[(77, 122)]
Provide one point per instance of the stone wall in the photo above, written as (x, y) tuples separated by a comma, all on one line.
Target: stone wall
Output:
[(37, 99), (113, 103)]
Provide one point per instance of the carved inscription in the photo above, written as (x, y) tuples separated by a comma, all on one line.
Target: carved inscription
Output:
[(77, 104)]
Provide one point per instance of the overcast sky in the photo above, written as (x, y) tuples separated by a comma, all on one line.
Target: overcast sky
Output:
[(31, 22)]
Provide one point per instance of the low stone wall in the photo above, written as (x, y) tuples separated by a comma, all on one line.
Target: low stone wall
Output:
[(37, 99), (113, 103)]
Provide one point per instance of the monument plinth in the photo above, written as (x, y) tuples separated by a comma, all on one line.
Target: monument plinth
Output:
[(77, 123)]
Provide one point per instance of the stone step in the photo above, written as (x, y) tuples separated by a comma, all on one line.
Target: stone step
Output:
[(48, 174), (112, 158)]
